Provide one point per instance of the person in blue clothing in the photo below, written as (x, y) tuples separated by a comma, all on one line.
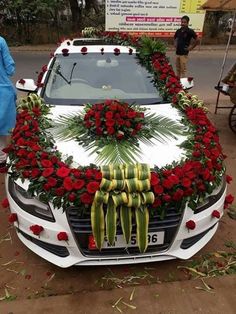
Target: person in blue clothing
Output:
[(7, 98)]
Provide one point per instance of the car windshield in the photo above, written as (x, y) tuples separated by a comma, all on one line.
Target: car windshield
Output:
[(77, 79)]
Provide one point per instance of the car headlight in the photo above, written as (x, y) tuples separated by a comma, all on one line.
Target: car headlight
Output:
[(28, 203)]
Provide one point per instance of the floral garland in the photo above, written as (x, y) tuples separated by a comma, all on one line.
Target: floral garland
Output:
[(33, 156), (114, 129)]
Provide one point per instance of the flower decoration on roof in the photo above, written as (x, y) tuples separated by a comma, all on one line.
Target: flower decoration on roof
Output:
[(65, 52), (84, 50), (116, 51)]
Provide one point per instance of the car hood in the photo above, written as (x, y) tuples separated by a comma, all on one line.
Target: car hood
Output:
[(159, 154)]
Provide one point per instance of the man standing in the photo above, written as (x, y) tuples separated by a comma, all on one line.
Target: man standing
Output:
[(185, 40)]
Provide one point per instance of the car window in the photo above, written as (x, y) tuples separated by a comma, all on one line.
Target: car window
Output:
[(79, 79)]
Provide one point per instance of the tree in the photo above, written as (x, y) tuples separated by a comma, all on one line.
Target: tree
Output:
[(78, 8)]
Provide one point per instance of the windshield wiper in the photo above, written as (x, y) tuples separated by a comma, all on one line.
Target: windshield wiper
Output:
[(62, 76), (72, 70), (57, 71)]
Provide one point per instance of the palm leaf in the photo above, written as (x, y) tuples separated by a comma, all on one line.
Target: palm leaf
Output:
[(142, 221), (98, 225), (117, 153), (67, 127), (111, 219), (126, 222)]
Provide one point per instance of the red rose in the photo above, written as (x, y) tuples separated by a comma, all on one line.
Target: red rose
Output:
[(76, 173), (154, 179), (5, 203), (62, 236), (229, 199), (89, 173), (119, 136), (68, 184), (166, 198), (46, 163), (138, 126), (110, 123), (60, 191), (92, 187), (52, 182), (228, 179), (116, 52), (78, 184), (186, 182), (36, 229), (12, 218), (21, 81), (46, 187), (63, 172), (72, 197), (110, 130), (177, 196), (215, 214), (35, 173), (98, 175), (131, 114), (109, 115), (84, 50), (190, 224), (47, 172), (86, 198), (158, 189), (65, 52)]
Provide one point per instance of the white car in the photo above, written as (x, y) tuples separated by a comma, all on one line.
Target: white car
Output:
[(123, 167)]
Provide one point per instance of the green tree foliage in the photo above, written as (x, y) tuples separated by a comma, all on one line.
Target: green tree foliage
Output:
[(23, 19)]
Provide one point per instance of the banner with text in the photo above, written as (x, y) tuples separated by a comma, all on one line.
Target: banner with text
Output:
[(154, 18)]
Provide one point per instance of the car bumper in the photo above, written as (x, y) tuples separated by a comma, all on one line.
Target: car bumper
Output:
[(67, 253)]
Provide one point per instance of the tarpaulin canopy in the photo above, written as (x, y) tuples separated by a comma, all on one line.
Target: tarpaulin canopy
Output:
[(219, 5), (222, 5)]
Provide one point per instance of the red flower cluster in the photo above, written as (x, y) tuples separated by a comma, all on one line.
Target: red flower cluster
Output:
[(40, 76), (113, 119), (5, 203), (73, 186), (228, 200), (12, 218), (190, 224), (62, 236), (36, 229), (168, 81)]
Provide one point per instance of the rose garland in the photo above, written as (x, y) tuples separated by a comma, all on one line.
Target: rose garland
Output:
[(114, 130), (33, 156)]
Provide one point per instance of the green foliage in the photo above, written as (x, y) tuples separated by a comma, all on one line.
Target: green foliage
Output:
[(110, 150)]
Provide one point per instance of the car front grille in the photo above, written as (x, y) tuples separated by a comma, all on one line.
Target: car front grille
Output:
[(81, 229)]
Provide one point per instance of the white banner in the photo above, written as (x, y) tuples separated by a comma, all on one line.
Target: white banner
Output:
[(155, 18)]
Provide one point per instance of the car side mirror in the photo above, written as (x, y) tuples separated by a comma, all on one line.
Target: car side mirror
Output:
[(187, 82), (26, 85)]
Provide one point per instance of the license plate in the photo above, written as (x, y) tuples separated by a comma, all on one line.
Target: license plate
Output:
[(154, 238)]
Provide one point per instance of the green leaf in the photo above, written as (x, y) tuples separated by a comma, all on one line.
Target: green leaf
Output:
[(126, 222), (98, 224), (111, 220), (142, 221)]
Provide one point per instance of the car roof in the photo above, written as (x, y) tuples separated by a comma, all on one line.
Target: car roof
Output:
[(92, 45)]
